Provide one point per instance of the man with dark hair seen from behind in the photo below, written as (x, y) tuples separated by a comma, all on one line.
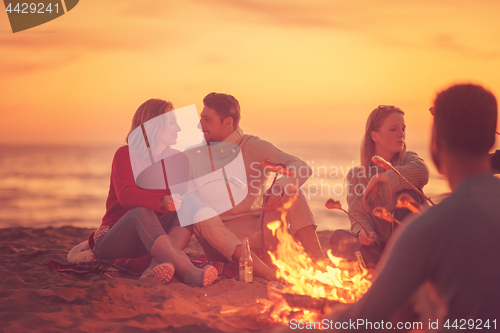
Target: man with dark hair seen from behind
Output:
[(219, 121), (450, 254)]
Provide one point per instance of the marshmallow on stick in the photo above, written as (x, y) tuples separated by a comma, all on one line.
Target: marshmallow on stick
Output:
[(335, 204), (379, 161), (383, 213), (406, 201)]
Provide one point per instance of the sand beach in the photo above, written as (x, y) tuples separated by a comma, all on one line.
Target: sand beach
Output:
[(35, 299)]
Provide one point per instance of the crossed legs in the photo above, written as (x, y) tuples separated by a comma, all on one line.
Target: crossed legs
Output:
[(139, 232)]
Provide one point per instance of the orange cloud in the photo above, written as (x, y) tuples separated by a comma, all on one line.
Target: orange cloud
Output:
[(321, 63)]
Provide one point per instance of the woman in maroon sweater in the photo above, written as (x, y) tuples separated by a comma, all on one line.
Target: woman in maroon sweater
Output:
[(139, 220)]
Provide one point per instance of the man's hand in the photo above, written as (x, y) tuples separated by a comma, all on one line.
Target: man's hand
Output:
[(170, 201), (373, 187), (275, 199), (366, 239)]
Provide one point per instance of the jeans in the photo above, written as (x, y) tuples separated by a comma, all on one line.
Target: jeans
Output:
[(136, 231)]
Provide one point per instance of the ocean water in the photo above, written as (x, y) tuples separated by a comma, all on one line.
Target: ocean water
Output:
[(53, 186), (42, 186)]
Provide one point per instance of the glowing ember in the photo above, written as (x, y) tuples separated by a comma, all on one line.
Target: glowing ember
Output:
[(334, 279)]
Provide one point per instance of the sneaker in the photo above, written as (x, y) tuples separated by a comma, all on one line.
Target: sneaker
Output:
[(162, 272), (210, 273)]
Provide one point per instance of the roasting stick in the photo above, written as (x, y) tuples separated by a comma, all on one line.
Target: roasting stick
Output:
[(379, 161), (277, 168), (333, 204)]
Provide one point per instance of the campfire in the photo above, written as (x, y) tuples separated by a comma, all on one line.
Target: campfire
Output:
[(311, 286)]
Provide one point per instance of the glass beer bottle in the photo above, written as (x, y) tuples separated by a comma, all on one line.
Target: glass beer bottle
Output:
[(246, 262)]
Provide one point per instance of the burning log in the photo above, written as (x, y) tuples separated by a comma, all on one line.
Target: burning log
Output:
[(335, 204), (379, 161), (383, 213), (406, 201)]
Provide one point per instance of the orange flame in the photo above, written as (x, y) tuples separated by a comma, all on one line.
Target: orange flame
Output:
[(334, 278)]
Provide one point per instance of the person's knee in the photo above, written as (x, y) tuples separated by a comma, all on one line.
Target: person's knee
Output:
[(340, 240), (140, 211), (205, 218), (336, 238), (142, 217)]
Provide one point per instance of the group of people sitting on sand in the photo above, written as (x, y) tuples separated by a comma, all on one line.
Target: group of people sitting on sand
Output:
[(451, 245)]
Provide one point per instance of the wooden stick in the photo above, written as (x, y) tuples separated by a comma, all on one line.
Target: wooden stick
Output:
[(366, 231), (416, 189), (334, 204), (379, 161)]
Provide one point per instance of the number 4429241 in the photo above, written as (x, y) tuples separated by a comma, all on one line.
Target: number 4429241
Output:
[(32, 8), (462, 324)]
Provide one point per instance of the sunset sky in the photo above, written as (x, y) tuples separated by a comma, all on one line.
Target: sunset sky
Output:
[(300, 68)]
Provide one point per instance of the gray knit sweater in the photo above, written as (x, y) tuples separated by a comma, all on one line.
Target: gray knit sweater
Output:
[(255, 151), (413, 168)]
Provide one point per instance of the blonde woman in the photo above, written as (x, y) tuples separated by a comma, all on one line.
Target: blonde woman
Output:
[(139, 221), (370, 186)]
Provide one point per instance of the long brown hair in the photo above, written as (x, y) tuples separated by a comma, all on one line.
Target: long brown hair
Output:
[(373, 123), (148, 110)]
